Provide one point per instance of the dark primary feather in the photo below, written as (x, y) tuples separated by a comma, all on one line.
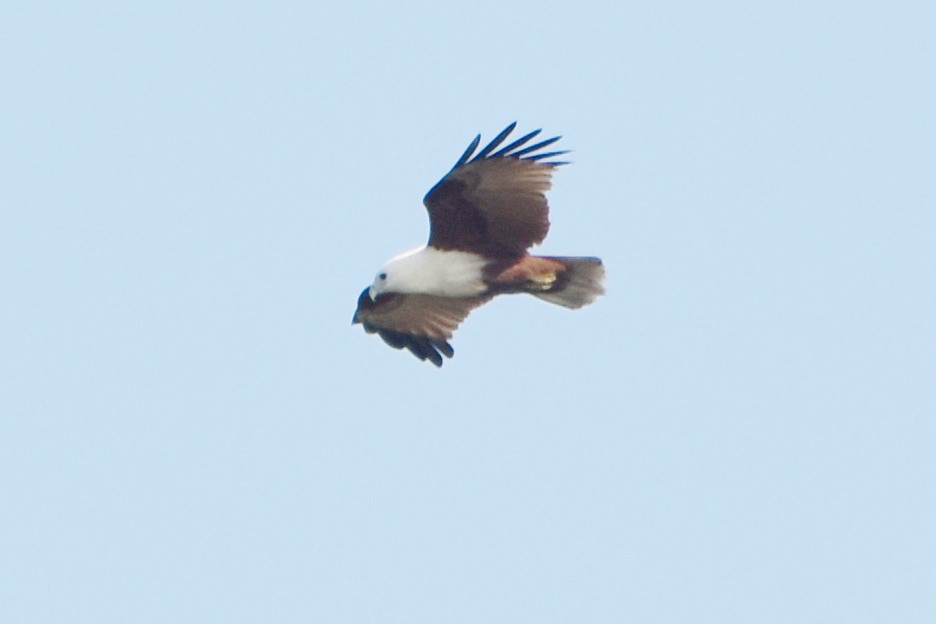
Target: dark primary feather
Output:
[(420, 346), (533, 148), (522, 140), (507, 152), (468, 152), (494, 142)]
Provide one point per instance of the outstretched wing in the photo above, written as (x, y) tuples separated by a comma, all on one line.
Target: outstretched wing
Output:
[(494, 202), (421, 323)]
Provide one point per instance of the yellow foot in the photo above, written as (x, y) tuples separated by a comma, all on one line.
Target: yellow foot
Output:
[(544, 281)]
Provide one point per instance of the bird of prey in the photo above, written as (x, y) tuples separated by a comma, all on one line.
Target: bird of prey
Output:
[(483, 217)]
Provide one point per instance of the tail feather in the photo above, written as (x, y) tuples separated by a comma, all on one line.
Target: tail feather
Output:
[(579, 284)]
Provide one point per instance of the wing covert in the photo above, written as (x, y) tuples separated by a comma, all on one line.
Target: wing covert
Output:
[(423, 324), (494, 202)]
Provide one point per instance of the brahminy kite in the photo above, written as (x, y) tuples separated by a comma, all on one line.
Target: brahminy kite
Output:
[(483, 216)]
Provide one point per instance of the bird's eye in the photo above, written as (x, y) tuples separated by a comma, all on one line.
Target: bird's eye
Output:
[(382, 276)]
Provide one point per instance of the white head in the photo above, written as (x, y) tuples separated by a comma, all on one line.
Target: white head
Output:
[(379, 286), (395, 276)]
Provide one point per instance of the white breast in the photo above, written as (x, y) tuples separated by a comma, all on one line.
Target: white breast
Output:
[(432, 271)]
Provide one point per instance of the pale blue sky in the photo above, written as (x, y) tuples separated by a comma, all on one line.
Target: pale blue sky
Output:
[(193, 194)]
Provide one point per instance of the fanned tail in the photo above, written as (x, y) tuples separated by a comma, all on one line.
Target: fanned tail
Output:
[(579, 284)]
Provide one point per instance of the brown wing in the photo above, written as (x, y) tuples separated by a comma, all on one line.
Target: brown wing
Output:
[(421, 323), (495, 202)]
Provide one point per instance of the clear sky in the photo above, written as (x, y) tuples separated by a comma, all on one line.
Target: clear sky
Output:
[(192, 195)]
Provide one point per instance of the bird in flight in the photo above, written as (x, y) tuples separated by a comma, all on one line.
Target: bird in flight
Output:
[(483, 217)]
